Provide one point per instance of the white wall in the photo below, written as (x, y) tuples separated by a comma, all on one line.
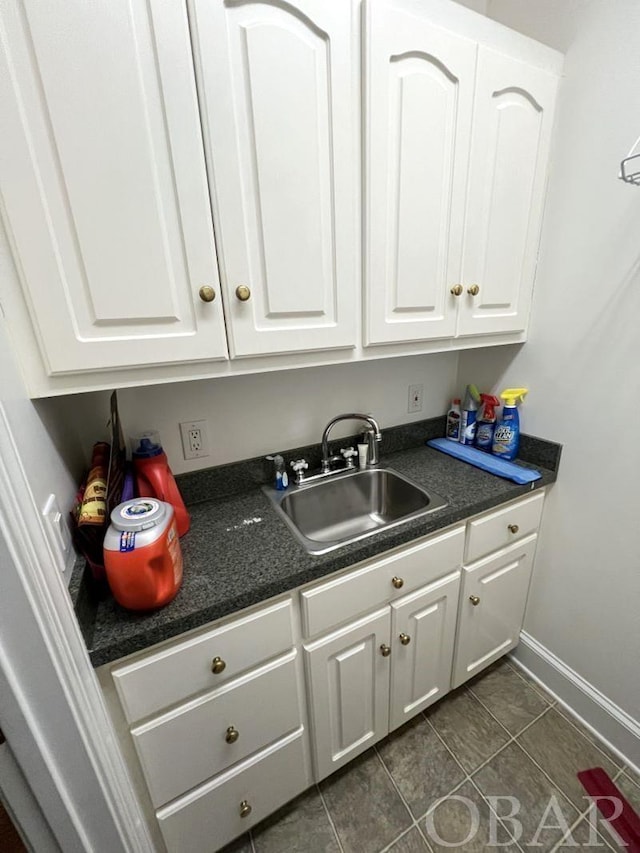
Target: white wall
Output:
[(267, 412), (45, 432), (583, 355), (477, 5)]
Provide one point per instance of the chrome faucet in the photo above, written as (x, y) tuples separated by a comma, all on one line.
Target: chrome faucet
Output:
[(373, 436)]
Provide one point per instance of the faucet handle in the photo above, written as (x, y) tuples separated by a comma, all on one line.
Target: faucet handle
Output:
[(299, 466), (348, 453)]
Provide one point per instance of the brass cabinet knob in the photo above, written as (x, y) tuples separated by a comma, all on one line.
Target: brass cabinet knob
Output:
[(232, 735), (405, 639), (474, 290), (456, 290), (513, 528), (474, 600), (385, 650), (207, 293), (242, 292), (217, 665), (397, 582), (245, 808)]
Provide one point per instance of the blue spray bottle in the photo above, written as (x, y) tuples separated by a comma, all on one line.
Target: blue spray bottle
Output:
[(506, 438)]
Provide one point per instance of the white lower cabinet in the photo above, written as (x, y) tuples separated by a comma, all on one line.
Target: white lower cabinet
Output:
[(206, 819), (348, 681), (214, 723), (423, 629), (494, 595)]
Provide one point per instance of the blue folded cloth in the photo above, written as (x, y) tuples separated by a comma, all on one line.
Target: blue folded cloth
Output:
[(493, 464)]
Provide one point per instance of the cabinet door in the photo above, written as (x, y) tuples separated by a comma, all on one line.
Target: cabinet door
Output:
[(512, 122), (348, 680), (104, 183), (419, 91), (423, 627), (492, 602), (279, 98)]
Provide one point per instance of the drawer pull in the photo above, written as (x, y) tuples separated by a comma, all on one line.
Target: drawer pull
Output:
[(232, 735), (456, 290), (218, 665), (245, 808), (397, 582), (405, 639), (474, 290), (513, 528), (474, 600), (385, 650)]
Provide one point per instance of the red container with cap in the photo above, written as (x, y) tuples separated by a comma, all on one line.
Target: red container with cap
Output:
[(154, 478), (142, 556)]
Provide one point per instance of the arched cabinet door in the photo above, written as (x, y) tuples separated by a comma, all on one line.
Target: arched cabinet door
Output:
[(419, 83), (512, 123), (279, 90), (104, 184)]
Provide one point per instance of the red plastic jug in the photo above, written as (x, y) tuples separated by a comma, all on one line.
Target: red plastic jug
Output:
[(142, 554), (154, 478)]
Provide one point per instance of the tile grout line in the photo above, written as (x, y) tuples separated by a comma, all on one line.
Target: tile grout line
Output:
[(329, 818), (514, 739), (469, 778), (616, 761), (531, 758), (393, 782), (490, 807), (532, 684)]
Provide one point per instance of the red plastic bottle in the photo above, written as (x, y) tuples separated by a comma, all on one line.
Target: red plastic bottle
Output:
[(154, 478)]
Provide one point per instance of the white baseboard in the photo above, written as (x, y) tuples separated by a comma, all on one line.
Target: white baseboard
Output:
[(599, 714)]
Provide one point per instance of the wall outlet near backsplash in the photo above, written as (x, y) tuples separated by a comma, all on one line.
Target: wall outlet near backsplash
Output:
[(195, 439)]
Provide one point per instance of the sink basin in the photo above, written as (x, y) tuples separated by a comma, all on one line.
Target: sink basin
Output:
[(347, 507)]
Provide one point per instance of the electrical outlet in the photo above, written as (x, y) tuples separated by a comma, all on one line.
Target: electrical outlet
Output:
[(415, 398), (195, 442)]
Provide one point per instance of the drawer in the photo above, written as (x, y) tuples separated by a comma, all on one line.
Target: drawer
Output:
[(208, 818), (187, 746), (158, 680), (341, 599), (502, 527)]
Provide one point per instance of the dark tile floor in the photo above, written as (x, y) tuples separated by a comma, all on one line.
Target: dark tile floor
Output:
[(499, 736)]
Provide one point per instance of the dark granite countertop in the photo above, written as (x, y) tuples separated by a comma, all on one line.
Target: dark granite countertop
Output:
[(239, 552)]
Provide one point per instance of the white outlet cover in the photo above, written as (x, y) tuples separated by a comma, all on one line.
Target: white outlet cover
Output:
[(416, 393), (185, 429), (57, 532)]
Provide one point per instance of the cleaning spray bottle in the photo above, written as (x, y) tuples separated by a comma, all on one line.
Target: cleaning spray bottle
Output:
[(469, 414), (506, 437), (486, 422)]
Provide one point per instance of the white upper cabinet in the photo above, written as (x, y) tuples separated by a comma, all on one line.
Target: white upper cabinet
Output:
[(419, 102), (279, 96), (507, 177), (456, 149), (104, 184)]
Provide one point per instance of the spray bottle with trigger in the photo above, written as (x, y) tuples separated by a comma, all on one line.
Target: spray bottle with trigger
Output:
[(506, 438), (486, 422)]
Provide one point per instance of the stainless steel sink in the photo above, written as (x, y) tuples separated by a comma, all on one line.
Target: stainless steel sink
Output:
[(350, 506)]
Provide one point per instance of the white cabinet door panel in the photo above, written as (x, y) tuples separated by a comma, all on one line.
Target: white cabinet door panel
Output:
[(490, 627), (421, 669), (507, 179), (348, 681), (104, 184), (278, 89), (419, 99)]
